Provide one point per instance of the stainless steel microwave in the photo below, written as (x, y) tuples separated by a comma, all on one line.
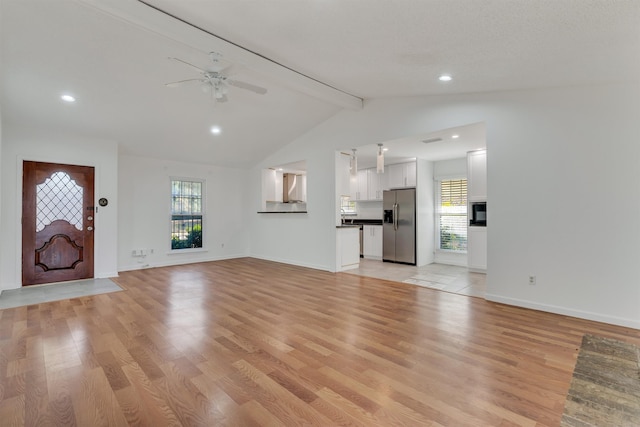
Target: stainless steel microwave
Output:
[(478, 214)]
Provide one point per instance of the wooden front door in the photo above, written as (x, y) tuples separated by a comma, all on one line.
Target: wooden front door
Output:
[(57, 222)]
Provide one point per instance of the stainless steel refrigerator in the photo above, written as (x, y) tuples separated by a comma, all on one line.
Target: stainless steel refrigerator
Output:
[(399, 226)]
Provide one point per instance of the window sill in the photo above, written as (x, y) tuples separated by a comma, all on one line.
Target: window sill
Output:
[(450, 251), (187, 251)]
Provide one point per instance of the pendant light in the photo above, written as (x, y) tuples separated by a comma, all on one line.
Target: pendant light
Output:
[(353, 164), (380, 164)]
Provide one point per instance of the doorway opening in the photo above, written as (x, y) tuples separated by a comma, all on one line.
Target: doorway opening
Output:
[(443, 259)]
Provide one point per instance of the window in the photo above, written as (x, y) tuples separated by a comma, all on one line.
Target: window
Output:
[(347, 206), (452, 215), (186, 214)]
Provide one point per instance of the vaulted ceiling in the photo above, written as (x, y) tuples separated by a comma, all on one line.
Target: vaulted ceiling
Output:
[(315, 57)]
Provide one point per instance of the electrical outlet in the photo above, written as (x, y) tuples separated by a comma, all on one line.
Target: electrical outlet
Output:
[(532, 280)]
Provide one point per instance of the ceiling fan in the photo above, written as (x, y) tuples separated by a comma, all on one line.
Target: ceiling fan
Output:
[(215, 82)]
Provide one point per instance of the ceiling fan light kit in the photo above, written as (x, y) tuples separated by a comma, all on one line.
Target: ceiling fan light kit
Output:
[(215, 82), (354, 163), (380, 160)]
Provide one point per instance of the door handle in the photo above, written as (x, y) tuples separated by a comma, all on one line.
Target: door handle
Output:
[(395, 216)]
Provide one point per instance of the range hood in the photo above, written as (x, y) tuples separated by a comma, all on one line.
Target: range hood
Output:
[(291, 191)]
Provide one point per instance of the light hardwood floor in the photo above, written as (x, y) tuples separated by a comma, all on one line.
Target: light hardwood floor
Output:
[(247, 342)]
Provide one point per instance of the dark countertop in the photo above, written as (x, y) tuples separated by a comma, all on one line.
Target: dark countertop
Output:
[(358, 221), (348, 226)]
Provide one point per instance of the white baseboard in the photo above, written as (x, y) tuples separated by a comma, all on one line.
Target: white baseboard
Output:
[(288, 261), (107, 275), (181, 261), (612, 320)]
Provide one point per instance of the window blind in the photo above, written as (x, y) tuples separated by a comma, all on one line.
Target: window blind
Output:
[(453, 215)]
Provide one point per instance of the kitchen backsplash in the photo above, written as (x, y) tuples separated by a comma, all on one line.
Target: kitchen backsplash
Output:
[(369, 210)]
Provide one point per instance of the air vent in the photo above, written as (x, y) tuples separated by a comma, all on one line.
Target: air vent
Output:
[(429, 141)]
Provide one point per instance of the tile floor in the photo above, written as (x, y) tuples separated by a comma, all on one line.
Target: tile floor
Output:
[(37, 294), (448, 278)]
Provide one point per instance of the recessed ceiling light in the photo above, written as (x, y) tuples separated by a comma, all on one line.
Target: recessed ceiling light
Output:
[(216, 130), (68, 98), (445, 78), (455, 136)]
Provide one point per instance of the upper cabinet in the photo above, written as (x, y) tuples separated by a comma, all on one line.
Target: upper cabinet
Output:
[(375, 184), (401, 175), (477, 176), (359, 184), (410, 174), (271, 185), (368, 185), (343, 177)]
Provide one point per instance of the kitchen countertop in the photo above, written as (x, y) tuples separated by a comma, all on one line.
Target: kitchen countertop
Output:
[(348, 226), (357, 221)]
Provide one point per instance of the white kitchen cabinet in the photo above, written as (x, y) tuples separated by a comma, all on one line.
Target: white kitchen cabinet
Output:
[(343, 177), (343, 184), (372, 241), (401, 175), (410, 174), (271, 185), (375, 184), (477, 176), (278, 186), (395, 176), (347, 248), (302, 193), (477, 249), (359, 185)]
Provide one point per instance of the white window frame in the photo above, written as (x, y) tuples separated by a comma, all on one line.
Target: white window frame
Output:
[(438, 197), (348, 206), (203, 203)]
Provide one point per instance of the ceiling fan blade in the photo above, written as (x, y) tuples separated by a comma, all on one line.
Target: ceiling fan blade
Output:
[(188, 64), (248, 86), (181, 82)]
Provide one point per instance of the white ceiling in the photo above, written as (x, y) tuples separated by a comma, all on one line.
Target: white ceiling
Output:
[(112, 54)]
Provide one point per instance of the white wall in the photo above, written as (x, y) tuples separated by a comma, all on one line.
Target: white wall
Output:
[(33, 144), (562, 182), (450, 169), (145, 206), (425, 210), (301, 239), (369, 210), (1, 136)]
